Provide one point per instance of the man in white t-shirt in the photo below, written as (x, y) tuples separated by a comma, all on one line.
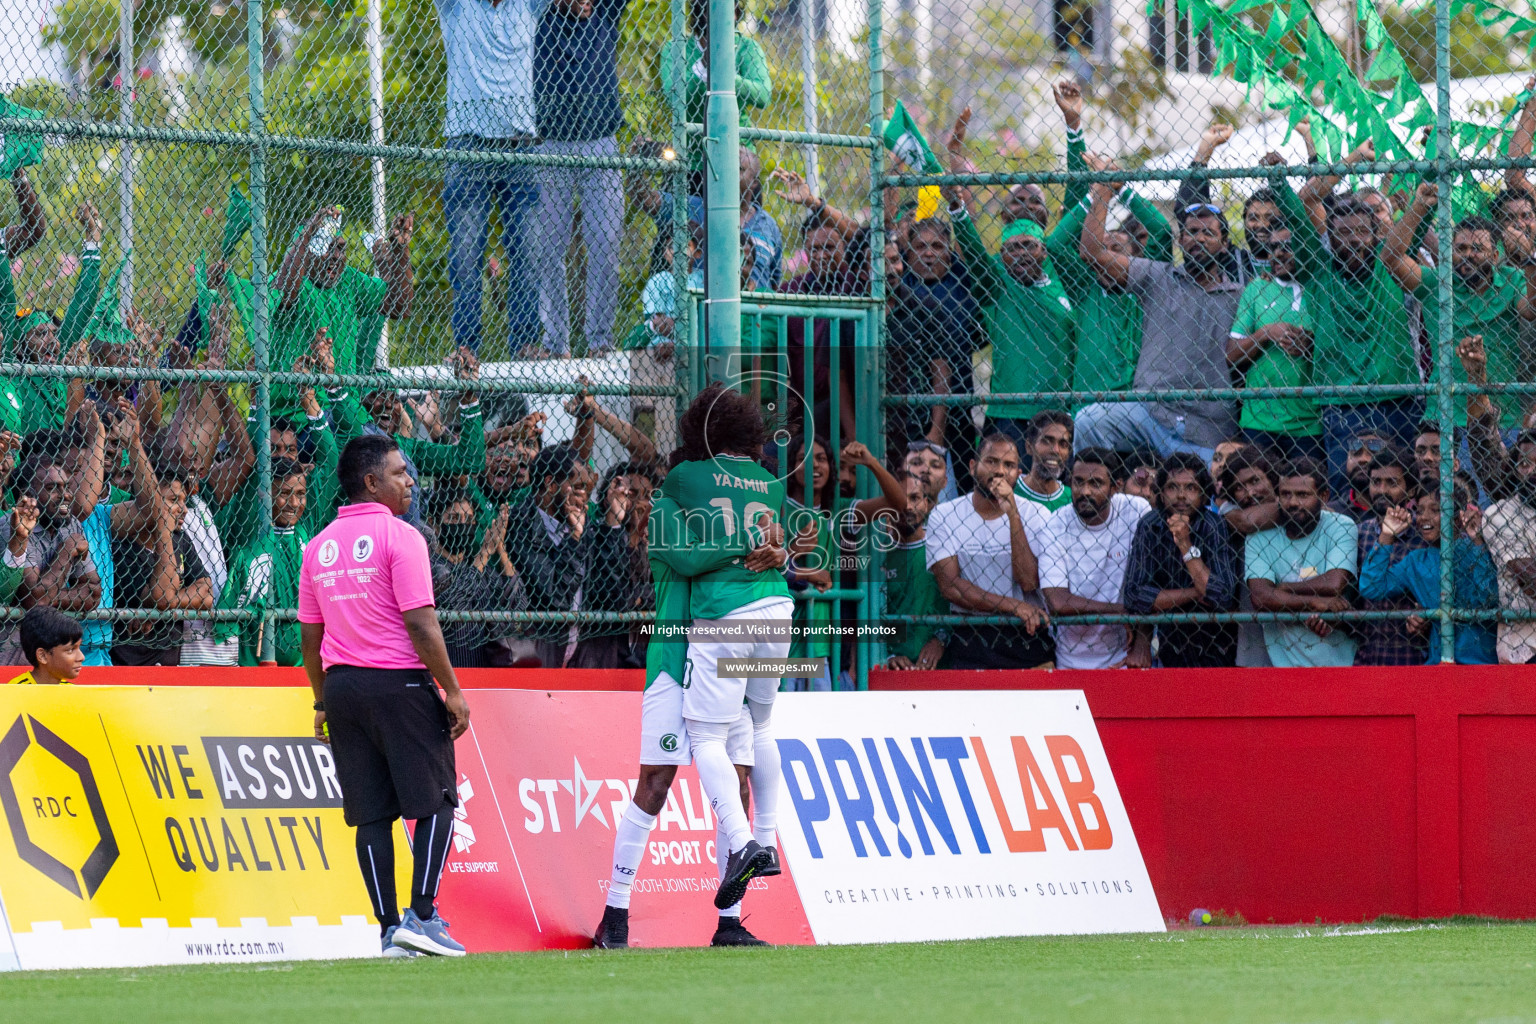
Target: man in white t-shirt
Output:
[(981, 553), (1083, 557)]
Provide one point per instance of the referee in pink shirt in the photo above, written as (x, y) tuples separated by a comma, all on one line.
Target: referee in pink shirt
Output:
[(372, 648)]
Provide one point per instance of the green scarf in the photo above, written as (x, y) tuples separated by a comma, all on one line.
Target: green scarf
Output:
[(106, 323)]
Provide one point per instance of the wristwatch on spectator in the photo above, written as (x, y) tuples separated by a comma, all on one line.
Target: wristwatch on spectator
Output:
[(1192, 554)]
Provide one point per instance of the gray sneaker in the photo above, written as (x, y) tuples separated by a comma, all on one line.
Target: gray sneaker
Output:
[(394, 952), (430, 936)]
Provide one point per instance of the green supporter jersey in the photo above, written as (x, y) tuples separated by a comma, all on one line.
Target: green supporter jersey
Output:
[(42, 399), (1361, 325), (910, 589), (1266, 302), (1495, 314), (810, 611), (238, 519), (265, 576), (754, 87), (726, 495), (1108, 322), (351, 312), (1031, 327), (1049, 502), (677, 554)]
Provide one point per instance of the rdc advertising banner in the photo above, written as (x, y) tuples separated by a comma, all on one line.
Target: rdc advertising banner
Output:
[(203, 824)]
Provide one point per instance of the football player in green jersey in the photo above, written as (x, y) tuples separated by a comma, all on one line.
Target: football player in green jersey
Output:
[(676, 555), (736, 613)]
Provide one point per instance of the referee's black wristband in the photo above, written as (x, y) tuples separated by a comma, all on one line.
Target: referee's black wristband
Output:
[(319, 705)]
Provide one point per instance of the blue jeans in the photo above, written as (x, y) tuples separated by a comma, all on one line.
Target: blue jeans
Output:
[(1396, 420), (1125, 426), (469, 191)]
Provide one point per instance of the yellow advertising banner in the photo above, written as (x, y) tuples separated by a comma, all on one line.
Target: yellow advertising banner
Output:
[(149, 825)]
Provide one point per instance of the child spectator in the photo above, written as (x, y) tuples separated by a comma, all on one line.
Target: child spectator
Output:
[(51, 642)]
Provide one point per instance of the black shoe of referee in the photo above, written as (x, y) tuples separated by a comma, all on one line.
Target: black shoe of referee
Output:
[(742, 866), (613, 930), (731, 932)]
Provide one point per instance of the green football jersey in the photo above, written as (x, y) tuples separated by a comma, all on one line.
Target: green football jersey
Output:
[(676, 555), (910, 589), (722, 498)]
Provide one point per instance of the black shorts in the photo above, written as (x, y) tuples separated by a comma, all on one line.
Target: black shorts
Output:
[(393, 743)]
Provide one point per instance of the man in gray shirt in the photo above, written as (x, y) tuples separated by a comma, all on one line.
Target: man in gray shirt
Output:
[(1187, 314)]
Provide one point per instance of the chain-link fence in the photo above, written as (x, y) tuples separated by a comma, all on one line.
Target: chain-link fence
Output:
[(1170, 274)]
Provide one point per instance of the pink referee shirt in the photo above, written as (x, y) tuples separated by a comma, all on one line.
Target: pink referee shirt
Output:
[(359, 574)]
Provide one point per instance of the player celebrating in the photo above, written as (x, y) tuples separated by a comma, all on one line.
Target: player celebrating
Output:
[(728, 492), (676, 554), (372, 647)]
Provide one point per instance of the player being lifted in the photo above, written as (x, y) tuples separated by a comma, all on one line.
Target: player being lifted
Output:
[(677, 554), (728, 492)]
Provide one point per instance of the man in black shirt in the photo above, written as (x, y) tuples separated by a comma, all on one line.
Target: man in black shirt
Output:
[(166, 575), (1181, 561), (471, 573)]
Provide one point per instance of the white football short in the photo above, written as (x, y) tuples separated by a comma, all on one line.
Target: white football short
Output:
[(663, 738), (709, 698)]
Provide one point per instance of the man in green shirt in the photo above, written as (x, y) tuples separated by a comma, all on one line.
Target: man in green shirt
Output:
[(319, 290), (1360, 326), (1030, 326), (264, 574), (910, 588), (1271, 346), (1490, 297)]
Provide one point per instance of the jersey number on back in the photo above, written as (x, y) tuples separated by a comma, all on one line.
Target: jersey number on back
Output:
[(749, 517)]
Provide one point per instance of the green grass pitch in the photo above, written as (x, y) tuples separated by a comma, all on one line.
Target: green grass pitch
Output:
[(1387, 972)]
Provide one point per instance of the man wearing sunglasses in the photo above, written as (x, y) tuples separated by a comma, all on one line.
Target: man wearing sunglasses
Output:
[(1187, 314), (1355, 500)]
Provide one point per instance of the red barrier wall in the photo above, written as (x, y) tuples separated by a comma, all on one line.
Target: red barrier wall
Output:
[(1281, 794), (1290, 795)]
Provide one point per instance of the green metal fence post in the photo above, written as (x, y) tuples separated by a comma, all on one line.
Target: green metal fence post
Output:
[(260, 319), (722, 191), (874, 339), (1445, 339), (689, 359)]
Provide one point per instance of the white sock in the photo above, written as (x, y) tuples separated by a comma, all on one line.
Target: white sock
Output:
[(765, 785), (720, 857), (718, 777), (629, 840)]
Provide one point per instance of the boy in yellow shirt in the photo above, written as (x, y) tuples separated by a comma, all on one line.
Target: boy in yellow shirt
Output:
[(51, 641)]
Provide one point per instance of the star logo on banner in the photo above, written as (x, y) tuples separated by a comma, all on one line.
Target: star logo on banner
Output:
[(585, 791)]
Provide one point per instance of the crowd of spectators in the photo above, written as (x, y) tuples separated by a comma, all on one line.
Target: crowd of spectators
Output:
[(1035, 516)]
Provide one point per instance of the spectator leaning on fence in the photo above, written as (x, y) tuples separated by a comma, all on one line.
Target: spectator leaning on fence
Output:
[(1417, 575), (576, 90), (490, 47), (1249, 482), (683, 67), (1360, 455), (1181, 560), (1187, 314), (264, 575), (1084, 552), (1390, 641), (910, 589), (1306, 563), (164, 575), (471, 572), (981, 551)]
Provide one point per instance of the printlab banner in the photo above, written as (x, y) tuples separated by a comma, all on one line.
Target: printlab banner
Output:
[(203, 824), (173, 825), (916, 816)]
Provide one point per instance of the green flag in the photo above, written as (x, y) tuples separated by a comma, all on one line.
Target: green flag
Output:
[(106, 324), (905, 141), (237, 221), (207, 297), (18, 149)]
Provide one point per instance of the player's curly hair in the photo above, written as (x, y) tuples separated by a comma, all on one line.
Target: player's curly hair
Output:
[(722, 421)]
